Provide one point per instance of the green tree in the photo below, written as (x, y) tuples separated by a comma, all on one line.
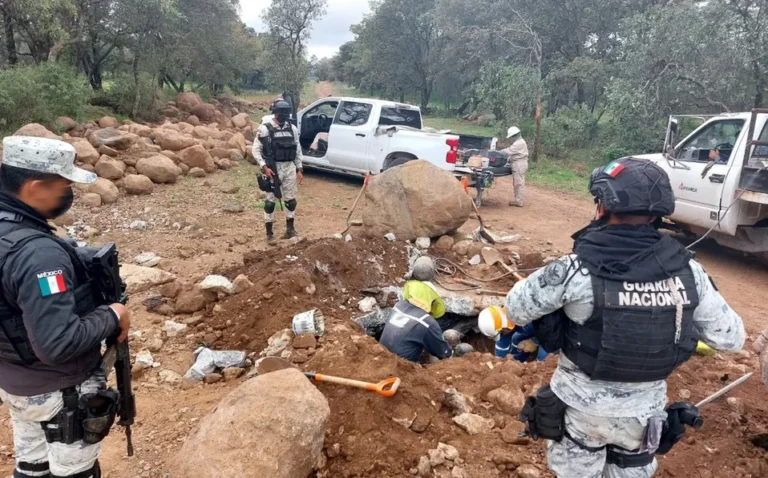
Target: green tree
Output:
[(289, 23)]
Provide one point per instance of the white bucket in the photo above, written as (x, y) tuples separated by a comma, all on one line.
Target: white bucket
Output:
[(309, 323)]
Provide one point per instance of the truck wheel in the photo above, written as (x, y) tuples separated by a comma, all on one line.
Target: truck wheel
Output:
[(397, 161)]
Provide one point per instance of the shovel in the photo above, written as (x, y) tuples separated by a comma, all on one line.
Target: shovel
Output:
[(357, 200), (483, 232), (385, 388)]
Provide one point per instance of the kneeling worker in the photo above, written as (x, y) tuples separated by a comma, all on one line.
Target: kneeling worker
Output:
[(519, 342), (411, 329)]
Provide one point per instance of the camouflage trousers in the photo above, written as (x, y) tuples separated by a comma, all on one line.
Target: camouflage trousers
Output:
[(286, 171), (519, 170), (29, 440), (568, 460)]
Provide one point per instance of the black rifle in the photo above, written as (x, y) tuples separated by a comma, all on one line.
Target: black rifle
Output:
[(110, 289)]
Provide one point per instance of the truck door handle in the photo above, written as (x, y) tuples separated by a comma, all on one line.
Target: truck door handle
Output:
[(717, 178), (360, 135)]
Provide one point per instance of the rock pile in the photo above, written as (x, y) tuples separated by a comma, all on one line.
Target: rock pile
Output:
[(133, 157)]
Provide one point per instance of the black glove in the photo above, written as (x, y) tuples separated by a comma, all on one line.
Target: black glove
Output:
[(679, 414)]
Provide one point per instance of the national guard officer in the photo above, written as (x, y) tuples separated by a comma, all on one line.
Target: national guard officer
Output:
[(50, 329)]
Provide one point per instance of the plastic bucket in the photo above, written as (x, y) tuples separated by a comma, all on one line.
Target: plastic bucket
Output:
[(311, 322)]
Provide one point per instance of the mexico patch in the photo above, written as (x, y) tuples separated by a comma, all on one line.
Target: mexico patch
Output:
[(614, 169), (51, 283)]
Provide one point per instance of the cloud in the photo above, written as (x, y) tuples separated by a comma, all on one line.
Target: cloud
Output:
[(328, 34)]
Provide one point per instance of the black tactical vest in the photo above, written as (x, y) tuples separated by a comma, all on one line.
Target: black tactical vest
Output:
[(631, 336), (15, 346), (280, 144)]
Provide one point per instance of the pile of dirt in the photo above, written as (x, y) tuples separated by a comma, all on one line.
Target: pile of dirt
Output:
[(326, 274)]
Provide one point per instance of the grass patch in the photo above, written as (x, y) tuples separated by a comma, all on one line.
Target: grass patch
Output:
[(569, 175)]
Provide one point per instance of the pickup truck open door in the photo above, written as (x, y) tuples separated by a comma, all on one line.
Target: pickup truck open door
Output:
[(350, 136), (704, 170)]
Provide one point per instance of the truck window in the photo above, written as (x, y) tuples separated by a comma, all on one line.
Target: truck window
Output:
[(392, 116), (353, 114), (760, 153), (717, 139)]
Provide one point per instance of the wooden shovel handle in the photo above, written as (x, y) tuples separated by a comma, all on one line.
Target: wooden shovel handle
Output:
[(385, 388)]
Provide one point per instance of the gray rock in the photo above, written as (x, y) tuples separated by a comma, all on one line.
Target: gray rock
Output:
[(173, 329), (147, 259), (138, 225), (234, 208), (217, 284), (473, 424)]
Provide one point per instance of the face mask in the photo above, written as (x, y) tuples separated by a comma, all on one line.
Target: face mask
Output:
[(65, 202), (281, 118)]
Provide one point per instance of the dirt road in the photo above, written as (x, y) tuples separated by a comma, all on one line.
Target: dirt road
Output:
[(186, 226)]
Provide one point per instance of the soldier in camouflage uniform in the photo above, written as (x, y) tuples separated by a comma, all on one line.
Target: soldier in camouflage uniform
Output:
[(635, 304), (278, 142), (50, 327)]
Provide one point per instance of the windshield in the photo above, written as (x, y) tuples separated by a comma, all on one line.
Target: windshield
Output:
[(392, 116)]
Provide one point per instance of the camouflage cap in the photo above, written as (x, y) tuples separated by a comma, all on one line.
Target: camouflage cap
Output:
[(46, 156)]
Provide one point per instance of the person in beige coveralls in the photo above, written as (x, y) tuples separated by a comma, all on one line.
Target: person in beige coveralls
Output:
[(518, 159)]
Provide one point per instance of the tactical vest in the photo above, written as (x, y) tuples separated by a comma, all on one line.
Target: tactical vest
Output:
[(633, 334), (280, 144), (15, 346)]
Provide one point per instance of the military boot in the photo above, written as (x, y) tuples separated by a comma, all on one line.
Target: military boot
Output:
[(270, 234), (290, 232)]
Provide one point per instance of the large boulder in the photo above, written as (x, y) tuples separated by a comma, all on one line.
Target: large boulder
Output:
[(241, 121), (138, 184), (237, 142), (37, 130), (113, 138), (159, 169), (85, 152), (270, 426), (198, 157), (204, 112), (106, 189), (65, 123), (108, 122), (110, 168), (187, 101), (414, 200), (139, 129), (172, 141)]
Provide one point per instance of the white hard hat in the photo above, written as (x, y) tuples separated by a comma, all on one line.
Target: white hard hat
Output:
[(424, 269), (46, 156), (513, 131), (493, 320)]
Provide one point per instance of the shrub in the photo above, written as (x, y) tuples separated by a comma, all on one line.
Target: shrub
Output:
[(40, 94), (122, 94), (571, 127), (613, 152)]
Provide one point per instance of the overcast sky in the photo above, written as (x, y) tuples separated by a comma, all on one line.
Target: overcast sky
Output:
[(328, 34)]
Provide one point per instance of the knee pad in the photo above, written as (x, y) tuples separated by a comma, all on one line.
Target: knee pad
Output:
[(31, 470), (93, 472), (269, 207), (291, 205)]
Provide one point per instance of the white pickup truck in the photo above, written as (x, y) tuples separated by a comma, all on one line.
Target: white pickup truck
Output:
[(364, 136), (719, 173)]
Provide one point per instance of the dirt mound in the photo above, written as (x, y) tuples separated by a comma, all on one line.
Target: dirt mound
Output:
[(327, 274)]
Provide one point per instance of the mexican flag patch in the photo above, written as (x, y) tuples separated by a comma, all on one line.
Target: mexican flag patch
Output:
[(51, 283), (614, 169)]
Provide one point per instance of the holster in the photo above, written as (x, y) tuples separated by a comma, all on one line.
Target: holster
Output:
[(265, 184), (679, 414), (99, 413), (544, 413), (86, 418)]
